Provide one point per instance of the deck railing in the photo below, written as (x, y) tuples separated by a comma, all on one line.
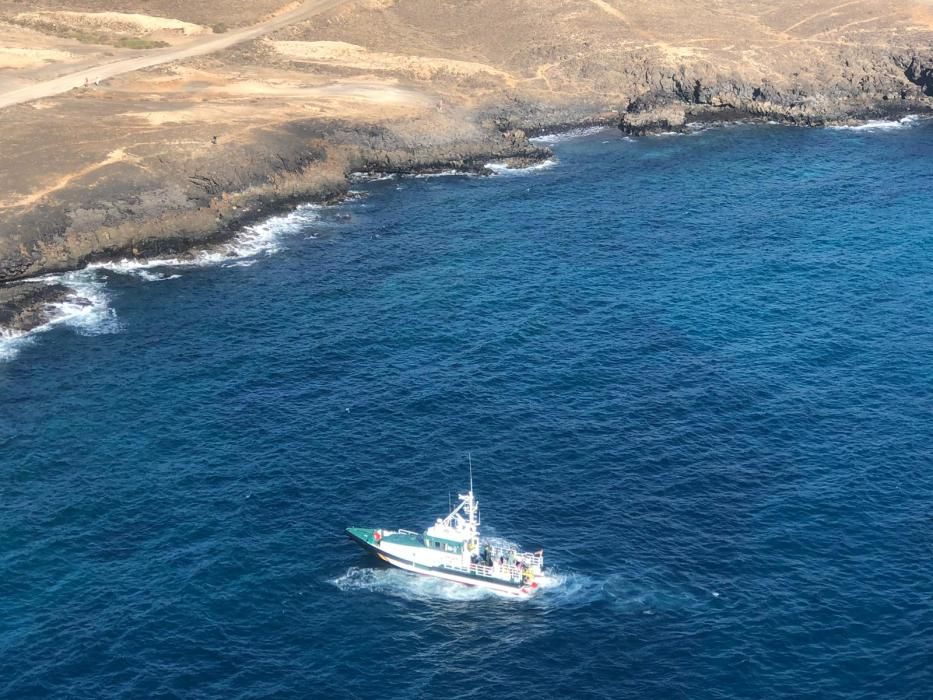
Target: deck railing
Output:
[(499, 571)]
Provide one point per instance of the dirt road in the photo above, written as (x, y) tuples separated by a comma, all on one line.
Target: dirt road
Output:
[(197, 47)]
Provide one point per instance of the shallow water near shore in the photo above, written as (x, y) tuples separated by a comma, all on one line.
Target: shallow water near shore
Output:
[(695, 369)]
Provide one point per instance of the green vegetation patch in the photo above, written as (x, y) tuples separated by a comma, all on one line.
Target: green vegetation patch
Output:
[(86, 36), (131, 42)]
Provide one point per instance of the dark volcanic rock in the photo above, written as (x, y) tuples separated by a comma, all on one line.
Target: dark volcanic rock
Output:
[(189, 203), (866, 85), (157, 190), (919, 71), (24, 305)]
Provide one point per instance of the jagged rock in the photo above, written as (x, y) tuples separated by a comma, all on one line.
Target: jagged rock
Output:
[(669, 117), (501, 71), (24, 305), (920, 72)]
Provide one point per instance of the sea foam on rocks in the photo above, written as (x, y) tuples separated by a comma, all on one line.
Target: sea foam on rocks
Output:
[(86, 309)]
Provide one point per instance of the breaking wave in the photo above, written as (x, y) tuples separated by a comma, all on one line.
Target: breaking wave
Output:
[(504, 169), (440, 173), (370, 177), (255, 241), (401, 584), (881, 124), (548, 139), (556, 589), (86, 310)]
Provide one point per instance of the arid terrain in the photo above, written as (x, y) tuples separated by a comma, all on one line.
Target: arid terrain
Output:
[(140, 128)]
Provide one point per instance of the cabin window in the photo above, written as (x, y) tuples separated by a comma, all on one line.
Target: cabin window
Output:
[(437, 545)]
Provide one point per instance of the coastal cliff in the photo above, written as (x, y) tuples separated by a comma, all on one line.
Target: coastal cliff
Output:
[(201, 200), (180, 156), (870, 85)]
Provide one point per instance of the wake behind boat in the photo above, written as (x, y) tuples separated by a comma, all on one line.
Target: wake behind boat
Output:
[(452, 549)]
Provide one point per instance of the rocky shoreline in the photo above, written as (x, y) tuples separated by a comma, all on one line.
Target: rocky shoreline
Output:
[(25, 303), (647, 118), (24, 306), (180, 157), (703, 94)]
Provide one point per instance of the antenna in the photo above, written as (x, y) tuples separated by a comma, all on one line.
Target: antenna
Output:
[(470, 457)]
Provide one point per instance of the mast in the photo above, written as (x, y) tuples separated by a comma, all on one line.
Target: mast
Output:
[(473, 504), (465, 514), (470, 457)]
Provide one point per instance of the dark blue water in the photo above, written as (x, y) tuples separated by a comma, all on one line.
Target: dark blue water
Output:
[(697, 370)]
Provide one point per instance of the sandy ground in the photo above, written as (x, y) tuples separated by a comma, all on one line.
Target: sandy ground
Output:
[(19, 57), (233, 13), (287, 96), (576, 45), (270, 97), (342, 54), (199, 46), (27, 55), (120, 23)]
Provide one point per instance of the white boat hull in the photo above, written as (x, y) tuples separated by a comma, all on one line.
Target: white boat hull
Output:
[(452, 550), (456, 578), (434, 564)]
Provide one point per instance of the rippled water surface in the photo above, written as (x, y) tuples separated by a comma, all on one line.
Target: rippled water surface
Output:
[(697, 370)]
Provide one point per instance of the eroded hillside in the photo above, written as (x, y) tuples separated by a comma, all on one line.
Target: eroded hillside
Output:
[(118, 161)]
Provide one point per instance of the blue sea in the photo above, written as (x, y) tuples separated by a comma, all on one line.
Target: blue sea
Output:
[(697, 370)]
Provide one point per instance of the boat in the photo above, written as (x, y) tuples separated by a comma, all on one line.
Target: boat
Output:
[(452, 549)]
